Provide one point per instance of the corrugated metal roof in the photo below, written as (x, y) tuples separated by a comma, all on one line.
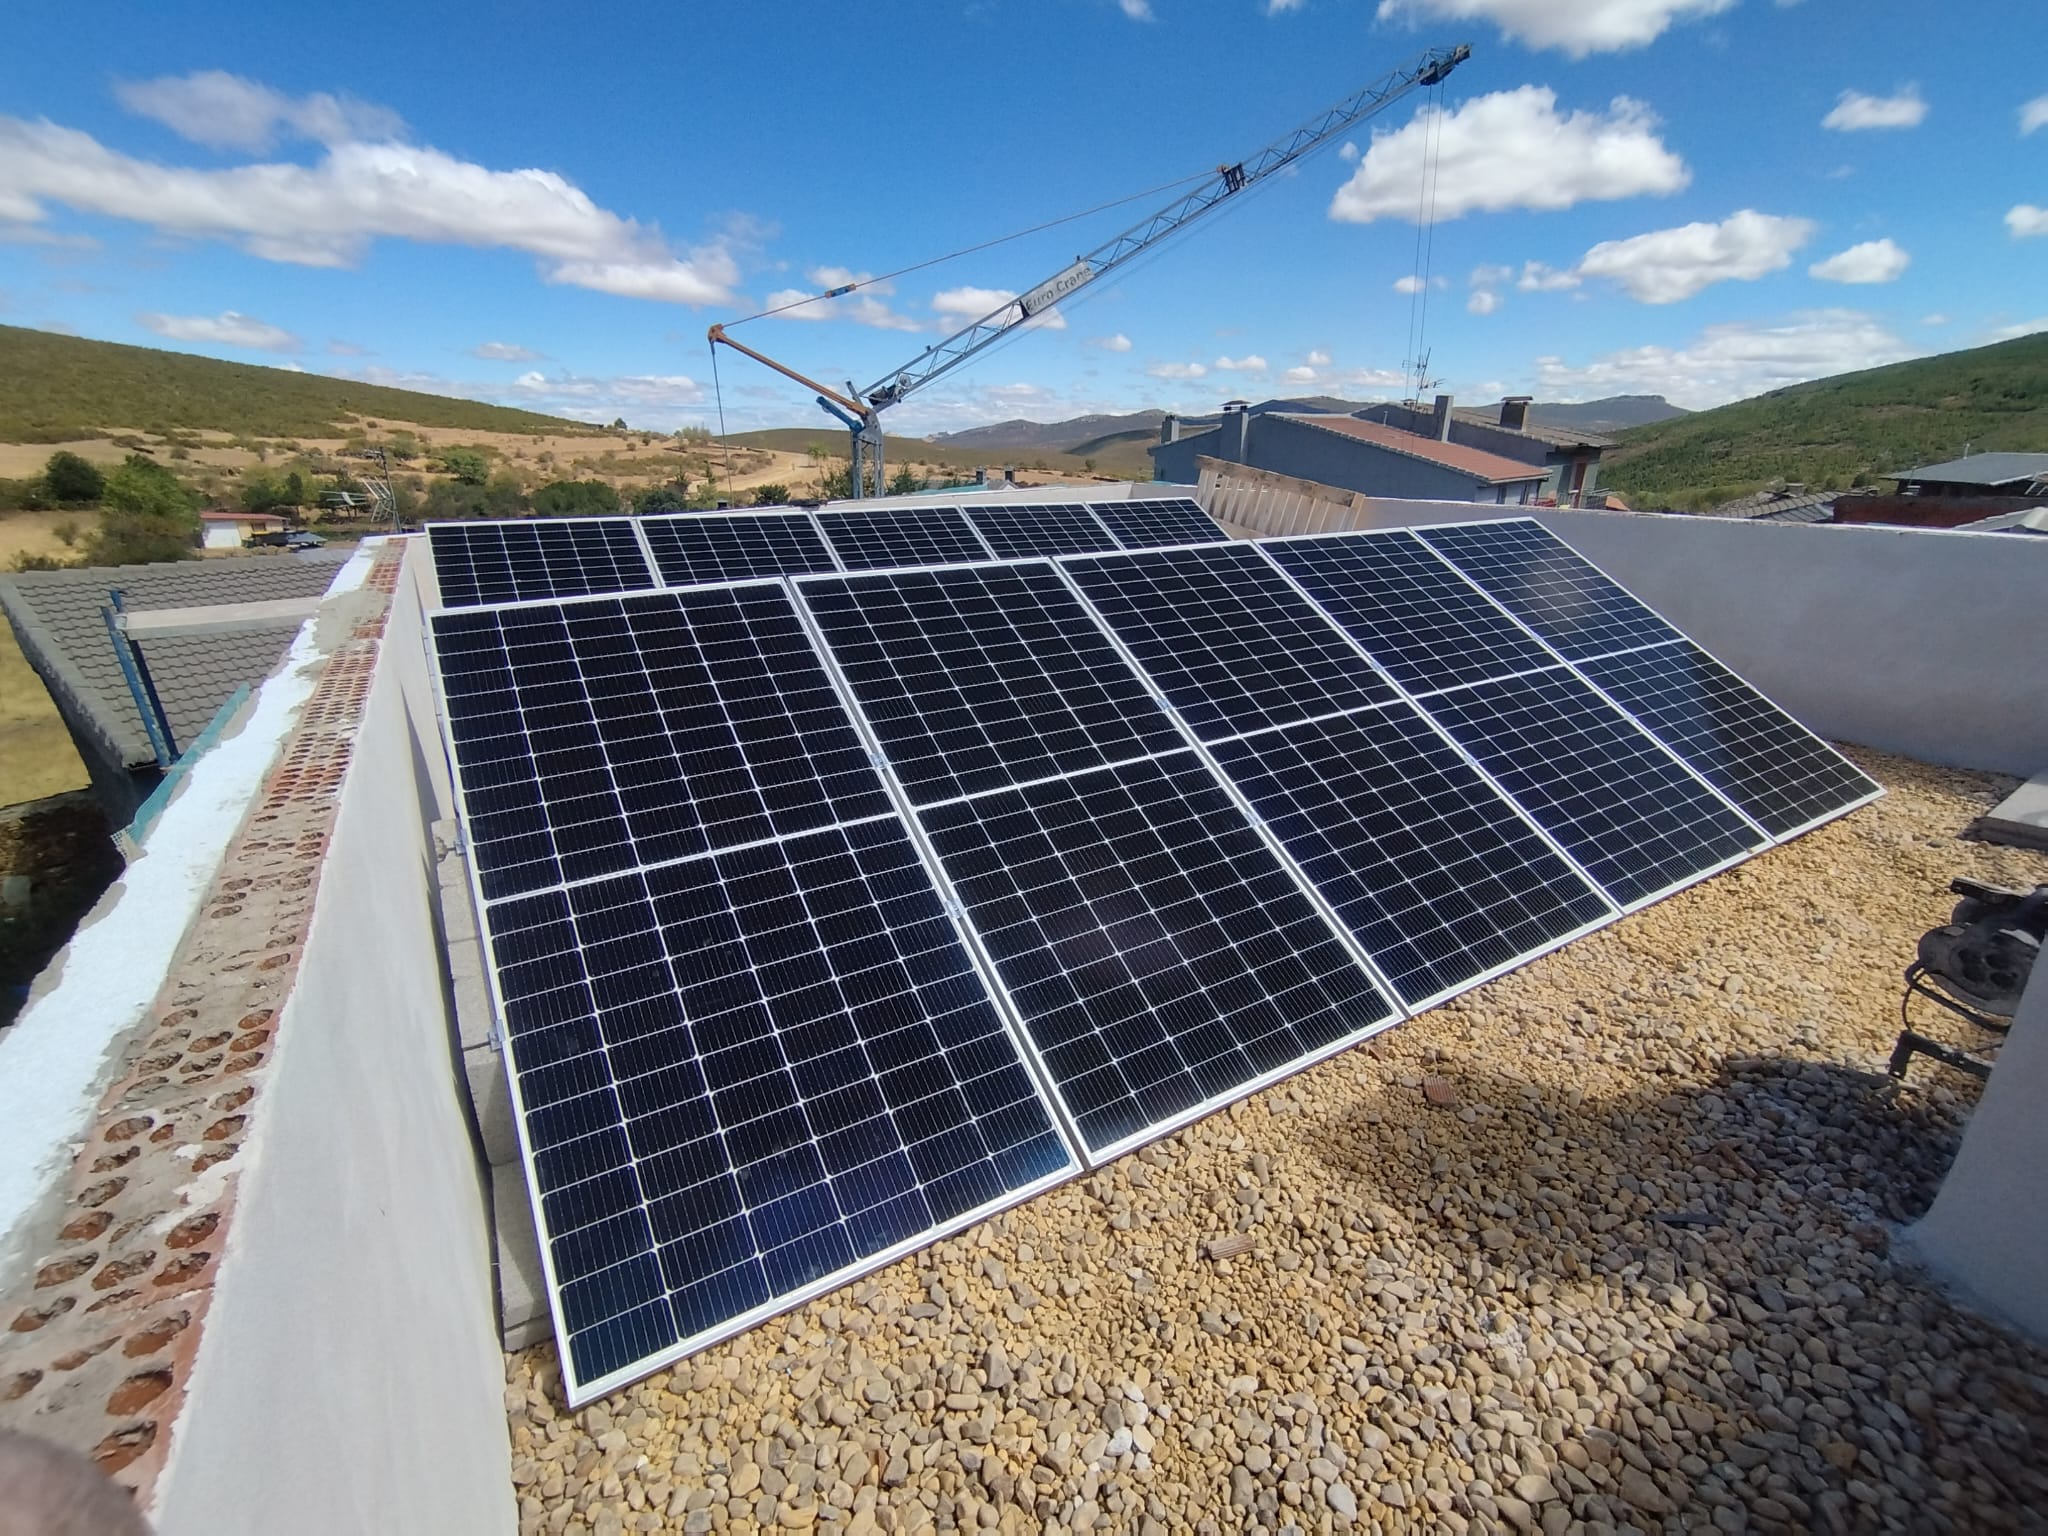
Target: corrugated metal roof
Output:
[(1983, 469), (1490, 468), (56, 616)]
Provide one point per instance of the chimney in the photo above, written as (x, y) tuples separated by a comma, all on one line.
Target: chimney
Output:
[(1443, 418), (981, 477), (1236, 418), (1169, 429), (1514, 412)]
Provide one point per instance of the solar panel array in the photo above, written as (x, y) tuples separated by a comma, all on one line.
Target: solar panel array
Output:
[(829, 912)]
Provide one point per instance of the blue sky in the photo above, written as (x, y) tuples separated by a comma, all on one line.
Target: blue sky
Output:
[(1699, 198)]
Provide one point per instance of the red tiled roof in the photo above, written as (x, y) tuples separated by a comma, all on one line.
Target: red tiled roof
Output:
[(1489, 467)]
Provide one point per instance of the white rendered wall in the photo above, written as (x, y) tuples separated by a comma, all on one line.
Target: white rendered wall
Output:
[(349, 1378), (1987, 1232), (1918, 641)]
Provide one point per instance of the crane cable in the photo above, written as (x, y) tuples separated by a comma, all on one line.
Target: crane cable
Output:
[(969, 250), (724, 445), (1425, 234)]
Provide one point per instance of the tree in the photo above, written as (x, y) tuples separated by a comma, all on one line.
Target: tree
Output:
[(448, 500), (771, 495), (146, 516), (70, 479), (466, 465), (836, 484), (504, 495), (905, 482), (673, 497), (575, 498)]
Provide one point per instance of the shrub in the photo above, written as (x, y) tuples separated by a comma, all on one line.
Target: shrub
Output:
[(69, 479), (575, 498)]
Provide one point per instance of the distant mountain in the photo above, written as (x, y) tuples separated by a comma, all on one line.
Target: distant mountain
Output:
[(1051, 436), (1617, 413), (1831, 432)]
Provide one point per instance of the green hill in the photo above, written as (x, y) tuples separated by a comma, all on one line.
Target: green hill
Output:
[(57, 388), (1829, 432), (1116, 459)]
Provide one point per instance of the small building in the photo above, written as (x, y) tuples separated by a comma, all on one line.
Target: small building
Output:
[(1570, 458), (95, 677), (1370, 457), (1978, 475), (230, 528)]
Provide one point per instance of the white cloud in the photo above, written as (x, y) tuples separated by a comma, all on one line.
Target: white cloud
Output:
[(964, 305), (1490, 275), (1137, 10), (1178, 371), (1732, 361), (2015, 332), (1512, 149), (1251, 362), (1282, 7), (224, 111), (2034, 115), (1484, 301), (503, 352), (327, 214), (1667, 265), (2025, 220), (1117, 343), (1413, 284), (1320, 371), (1347, 152), (863, 306), (649, 400), (1317, 358), (1579, 27), (1539, 278), (1855, 112), (1300, 375), (226, 329), (1934, 319), (1874, 261)]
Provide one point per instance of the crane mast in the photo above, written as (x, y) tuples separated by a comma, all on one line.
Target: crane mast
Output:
[(860, 410)]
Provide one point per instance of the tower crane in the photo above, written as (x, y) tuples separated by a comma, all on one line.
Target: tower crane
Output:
[(860, 410)]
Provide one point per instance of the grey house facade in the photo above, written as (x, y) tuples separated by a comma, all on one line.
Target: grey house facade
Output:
[(1345, 451), (1570, 459), (57, 618)]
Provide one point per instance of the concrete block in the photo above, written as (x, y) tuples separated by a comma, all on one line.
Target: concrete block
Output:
[(490, 1096), (523, 1315), (2020, 820), (472, 994)]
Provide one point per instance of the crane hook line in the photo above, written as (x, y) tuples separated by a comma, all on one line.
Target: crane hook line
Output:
[(724, 446), (919, 266)]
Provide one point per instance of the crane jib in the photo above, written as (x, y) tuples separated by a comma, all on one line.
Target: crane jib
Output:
[(1050, 292)]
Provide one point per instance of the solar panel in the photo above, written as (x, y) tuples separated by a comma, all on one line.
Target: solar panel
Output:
[(597, 736), (746, 1077), (1161, 957), (1231, 642), (1020, 531), (712, 546), (1547, 585), (1434, 872), (974, 678), (901, 536), (1783, 776), (511, 562), (1624, 808), (1419, 618), (1154, 523)]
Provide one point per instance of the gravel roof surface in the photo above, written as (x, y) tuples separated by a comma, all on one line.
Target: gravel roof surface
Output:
[(1605, 1241)]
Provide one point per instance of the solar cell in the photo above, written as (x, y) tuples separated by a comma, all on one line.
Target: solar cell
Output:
[(1155, 523), (1161, 957), (973, 678), (1419, 618), (593, 737), (884, 536), (1231, 642), (1547, 585), (1782, 775), (712, 546), (1015, 531), (478, 563), (745, 1078), (1624, 808), (1428, 865)]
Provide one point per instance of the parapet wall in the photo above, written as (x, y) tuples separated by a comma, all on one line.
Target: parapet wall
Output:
[(350, 1378)]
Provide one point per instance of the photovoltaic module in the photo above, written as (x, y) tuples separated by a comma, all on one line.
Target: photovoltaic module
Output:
[(958, 851)]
